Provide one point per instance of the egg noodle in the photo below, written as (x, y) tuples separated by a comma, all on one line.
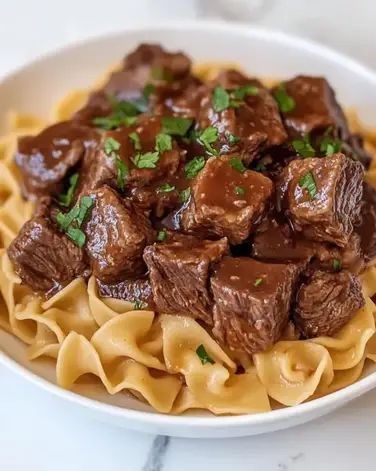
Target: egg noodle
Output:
[(154, 356)]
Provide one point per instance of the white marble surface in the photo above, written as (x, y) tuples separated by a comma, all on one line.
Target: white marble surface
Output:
[(36, 431)]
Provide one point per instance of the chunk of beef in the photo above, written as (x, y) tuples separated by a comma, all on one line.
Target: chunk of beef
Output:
[(99, 167), (45, 259), (276, 242), (179, 273), (46, 158), (366, 226), (322, 197), (326, 302), (252, 302), (136, 291), (316, 107), (255, 120), (225, 201), (116, 234)]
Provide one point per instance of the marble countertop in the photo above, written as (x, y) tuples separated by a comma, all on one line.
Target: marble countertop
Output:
[(36, 431)]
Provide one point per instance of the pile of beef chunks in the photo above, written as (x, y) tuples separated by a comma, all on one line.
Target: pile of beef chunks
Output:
[(248, 248)]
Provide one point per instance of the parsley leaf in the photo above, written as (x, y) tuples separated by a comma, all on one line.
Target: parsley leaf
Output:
[(220, 99), (71, 222), (122, 172), (260, 167), (162, 234), (163, 142), (285, 102), (244, 90), (139, 305), (185, 195), (111, 145), (147, 160), (77, 236), (86, 202), (237, 164), (161, 74), (203, 355), (194, 166), (135, 138), (239, 190), (65, 220), (176, 126), (165, 188), (232, 140), (330, 145), (258, 282), (208, 137), (307, 181), (337, 265), (303, 147), (149, 89), (65, 199)]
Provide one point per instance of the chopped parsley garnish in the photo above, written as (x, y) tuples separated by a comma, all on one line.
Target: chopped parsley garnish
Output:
[(203, 355), (165, 188), (232, 140), (221, 99), (162, 234), (337, 265), (65, 199), (71, 222), (185, 194), (163, 142), (307, 181), (194, 166), (330, 145), (244, 90), (237, 164), (135, 138), (303, 147), (208, 137), (258, 282), (149, 89), (147, 160), (111, 145), (139, 305), (122, 172), (113, 121), (176, 126), (239, 190), (260, 167), (285, 102), (161, 73)]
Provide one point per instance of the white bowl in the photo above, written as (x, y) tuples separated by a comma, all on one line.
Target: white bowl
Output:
[(36, 87)]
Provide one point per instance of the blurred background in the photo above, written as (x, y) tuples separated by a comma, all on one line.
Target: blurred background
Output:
[(29, 28)]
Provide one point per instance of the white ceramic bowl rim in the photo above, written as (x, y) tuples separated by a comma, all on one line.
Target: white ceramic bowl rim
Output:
[(153, 418)]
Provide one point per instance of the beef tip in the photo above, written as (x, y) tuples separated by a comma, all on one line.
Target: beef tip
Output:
[(116, 234), (255, 120), (44, 258), (226, 201), (366, 227), (46, 158), (179, 272), (322, 197), (316, 107), (136, 291), (326, 302), (252, 302)]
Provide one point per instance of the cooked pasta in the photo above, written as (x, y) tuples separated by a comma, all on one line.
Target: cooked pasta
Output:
[(154, 356)]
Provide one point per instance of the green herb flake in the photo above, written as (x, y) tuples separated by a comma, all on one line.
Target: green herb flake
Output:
[(239, 190), (258, 282), (161, 74), (220, 99), (166, 188), (330, 145), (303, 147), (285, 102), (163, 142), (337, 265), (86, 202), (232, 140), (65, 220), (260, 167), (203, 355), (237, 164), (139, 305), (76, 235), (122, 172), (71, 222), (65, 199), (176, 126), (147, 160), (111, 145), (207, 137), (149, 89), (194, 166), (307, 181), (162, 235), (135, 138), (244, 91), (185, 195)]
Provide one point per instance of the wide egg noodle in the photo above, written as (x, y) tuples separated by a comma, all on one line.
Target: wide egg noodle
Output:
[(154, 357)]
